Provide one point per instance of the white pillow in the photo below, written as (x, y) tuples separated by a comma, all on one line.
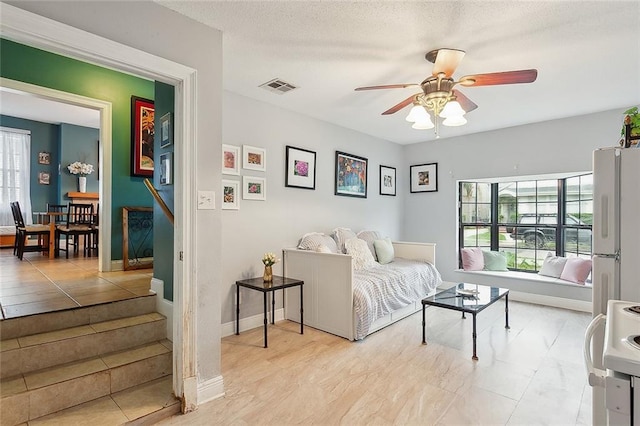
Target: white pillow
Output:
[(552, 266), (370, 237), (360, 254), (313, 240), (341, 235), (324, 249)]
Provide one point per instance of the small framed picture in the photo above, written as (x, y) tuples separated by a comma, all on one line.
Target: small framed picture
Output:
[(44, 157), (166, 130), (351, 175), (387, 180), (230, 194), (166, 168), (300, 168), (44, 178), (424, 177), (230, 159), (254, 158), (254, 188)]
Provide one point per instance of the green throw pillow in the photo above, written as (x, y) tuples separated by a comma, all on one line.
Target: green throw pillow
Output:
[(494, 261), (384, 251)]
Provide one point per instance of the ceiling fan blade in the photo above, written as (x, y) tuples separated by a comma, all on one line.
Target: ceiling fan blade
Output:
[(401, 105), (467, 104), (387, 86), (446, 61), (508, 77)]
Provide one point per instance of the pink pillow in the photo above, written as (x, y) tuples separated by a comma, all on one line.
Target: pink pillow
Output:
[(576, 270), (472, 259)]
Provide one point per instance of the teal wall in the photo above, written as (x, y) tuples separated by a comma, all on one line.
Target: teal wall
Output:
[(162, 228), (44, 138), (35, 66), (77, 143)]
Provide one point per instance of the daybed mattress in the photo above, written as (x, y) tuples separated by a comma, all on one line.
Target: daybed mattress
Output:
[(382, 289)]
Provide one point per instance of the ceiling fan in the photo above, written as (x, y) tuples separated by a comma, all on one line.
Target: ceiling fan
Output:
[(438, 94)]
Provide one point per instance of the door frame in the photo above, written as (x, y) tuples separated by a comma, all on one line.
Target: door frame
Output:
[(34, 30)]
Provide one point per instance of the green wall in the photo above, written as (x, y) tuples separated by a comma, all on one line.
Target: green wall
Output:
[(162, 228), (77, 143), (35, 66), (44, 138)]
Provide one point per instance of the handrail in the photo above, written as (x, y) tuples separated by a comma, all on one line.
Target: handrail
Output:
[(159, 199)]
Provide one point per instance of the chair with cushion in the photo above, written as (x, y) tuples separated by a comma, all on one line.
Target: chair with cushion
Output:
[(23, 232), (79, 224), (58, 208)]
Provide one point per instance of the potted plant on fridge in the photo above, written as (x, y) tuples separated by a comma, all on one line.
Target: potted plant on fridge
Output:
[(631, 128)]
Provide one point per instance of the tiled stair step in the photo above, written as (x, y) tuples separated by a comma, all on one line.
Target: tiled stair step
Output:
[(31, 353), (51, 321), (32, 395)]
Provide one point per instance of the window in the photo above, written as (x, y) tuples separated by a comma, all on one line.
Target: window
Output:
[(14, 173), (520, 218)]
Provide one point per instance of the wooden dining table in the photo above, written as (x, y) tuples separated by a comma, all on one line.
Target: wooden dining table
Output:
[(50, 218)]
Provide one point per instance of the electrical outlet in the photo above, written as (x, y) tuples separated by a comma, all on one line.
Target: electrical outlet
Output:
[(206, 200)]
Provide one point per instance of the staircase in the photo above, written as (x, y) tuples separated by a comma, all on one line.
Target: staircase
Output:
[(51, 362)]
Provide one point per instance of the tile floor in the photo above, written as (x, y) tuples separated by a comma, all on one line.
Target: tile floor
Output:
[(532, 374), (38, 284)]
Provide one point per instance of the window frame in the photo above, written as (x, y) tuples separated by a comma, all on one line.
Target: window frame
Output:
[(560, 227)]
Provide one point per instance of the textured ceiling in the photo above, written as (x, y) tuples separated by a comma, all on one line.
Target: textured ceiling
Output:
[(587, 55)]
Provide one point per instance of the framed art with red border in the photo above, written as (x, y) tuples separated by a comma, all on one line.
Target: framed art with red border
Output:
[(142, 135)]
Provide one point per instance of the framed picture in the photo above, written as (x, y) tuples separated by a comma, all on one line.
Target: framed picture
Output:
[(230, 194), (351, 175), (254, 188), (424, 177), (166, 130), (254, 158), (142, 135), (230, 160), (166, 168), (300, 168), (44, 158), (387, 180), (44, 178)]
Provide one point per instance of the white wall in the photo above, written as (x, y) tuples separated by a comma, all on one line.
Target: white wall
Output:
[(550, 147), (288, 213), (157, 30)]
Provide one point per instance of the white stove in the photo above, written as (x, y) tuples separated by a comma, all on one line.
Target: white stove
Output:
[(622, 362), (622, 338)]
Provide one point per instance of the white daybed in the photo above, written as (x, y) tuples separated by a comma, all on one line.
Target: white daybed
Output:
[(330, 280)]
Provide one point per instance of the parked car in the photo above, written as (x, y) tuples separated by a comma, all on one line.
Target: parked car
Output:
[(537, 235)]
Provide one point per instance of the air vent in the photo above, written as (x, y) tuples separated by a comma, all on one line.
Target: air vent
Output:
[(278, 86)]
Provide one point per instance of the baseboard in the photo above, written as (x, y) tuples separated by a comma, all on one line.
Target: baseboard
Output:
[(210, 390), (556, 302), (248, 323), (163, 306)]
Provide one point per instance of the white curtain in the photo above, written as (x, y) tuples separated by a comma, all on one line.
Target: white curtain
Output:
[(15, 155)]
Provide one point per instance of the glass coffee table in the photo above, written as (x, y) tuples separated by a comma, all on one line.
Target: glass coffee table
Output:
[(467, 298)]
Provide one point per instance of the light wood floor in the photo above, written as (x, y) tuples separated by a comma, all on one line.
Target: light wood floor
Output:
[(530, 374), (38, 284)]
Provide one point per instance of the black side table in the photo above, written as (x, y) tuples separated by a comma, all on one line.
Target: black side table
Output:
[(279, 283)]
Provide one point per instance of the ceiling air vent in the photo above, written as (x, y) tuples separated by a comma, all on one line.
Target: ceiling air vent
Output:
[(278, 86)]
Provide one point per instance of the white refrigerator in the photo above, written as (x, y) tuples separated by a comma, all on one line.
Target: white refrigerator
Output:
[(616, 243)]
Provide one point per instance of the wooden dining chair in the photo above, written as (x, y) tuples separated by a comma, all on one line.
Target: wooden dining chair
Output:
[(23, 232), (79, 223), (58, 208)]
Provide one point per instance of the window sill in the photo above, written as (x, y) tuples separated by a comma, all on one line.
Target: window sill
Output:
[(526, 276)]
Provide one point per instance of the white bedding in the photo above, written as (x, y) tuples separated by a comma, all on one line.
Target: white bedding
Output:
[(381, 289)]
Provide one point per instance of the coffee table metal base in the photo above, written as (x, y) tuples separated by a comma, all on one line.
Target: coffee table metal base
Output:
[(443, 300)]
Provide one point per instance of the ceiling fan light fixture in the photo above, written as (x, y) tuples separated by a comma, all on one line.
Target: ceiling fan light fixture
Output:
[(455, 121), (452, 110), (418, 113), (424, 124)]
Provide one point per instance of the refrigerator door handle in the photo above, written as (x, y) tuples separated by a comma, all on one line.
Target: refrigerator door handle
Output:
[(596, 376)]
